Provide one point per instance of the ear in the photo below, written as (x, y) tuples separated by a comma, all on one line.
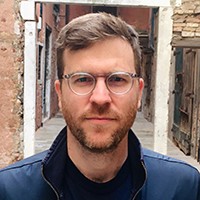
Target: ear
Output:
[(141, 87), (57, 86)]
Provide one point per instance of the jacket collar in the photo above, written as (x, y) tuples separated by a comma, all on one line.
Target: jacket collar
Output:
[(54, 164), (137, 163)]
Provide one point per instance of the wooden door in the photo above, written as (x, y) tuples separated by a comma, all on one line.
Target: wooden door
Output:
[(184, 98)]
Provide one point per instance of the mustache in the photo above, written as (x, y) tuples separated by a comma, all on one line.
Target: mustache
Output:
[(100, 110)]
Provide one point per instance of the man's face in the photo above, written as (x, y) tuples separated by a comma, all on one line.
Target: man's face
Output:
[(100, 120)]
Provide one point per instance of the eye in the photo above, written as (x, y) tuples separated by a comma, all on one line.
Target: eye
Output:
[(82, 80), (117, 79)]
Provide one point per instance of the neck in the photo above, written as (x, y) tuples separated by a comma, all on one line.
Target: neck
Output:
[(98, 167)]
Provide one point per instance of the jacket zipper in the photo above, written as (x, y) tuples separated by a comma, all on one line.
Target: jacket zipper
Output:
[(57, 195), (143, 183)]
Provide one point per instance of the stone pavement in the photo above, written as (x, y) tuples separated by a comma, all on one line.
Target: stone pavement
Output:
[(142, 128)]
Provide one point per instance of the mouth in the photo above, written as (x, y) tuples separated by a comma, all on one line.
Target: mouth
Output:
[(100, 120)]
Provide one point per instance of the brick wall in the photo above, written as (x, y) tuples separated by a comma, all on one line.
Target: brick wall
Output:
[(139, 17), (187, 20), (11, 83), (78, 10)]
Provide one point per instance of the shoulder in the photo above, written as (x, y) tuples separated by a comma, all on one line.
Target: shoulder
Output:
[(22, 168), (23, 164), (158, 160), (173, 178), (170, 171), (23, 177)]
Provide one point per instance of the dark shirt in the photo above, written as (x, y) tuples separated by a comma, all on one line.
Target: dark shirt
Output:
[(78, 187)]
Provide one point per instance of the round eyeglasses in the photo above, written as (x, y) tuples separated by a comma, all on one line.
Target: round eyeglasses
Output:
[(82, 83)]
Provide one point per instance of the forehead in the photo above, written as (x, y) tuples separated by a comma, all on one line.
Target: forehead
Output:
[(109, 55)]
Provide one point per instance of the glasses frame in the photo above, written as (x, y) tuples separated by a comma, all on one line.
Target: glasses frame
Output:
[(132, 76)]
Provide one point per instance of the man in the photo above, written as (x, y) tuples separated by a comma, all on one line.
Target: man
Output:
[(97, 156)]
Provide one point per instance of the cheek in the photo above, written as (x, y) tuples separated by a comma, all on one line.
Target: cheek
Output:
[(129, 103), (124, 103), (68, 109), (73, 104)]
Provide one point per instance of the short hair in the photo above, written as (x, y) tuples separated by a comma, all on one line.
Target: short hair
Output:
[(85, 30)]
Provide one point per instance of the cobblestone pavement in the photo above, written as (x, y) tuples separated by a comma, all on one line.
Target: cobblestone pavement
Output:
[(142, 128)]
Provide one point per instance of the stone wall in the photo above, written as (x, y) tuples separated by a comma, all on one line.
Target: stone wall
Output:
[(187, 20), (11, 82)]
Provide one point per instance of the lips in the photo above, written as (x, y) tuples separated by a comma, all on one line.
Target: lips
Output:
[(93, 115), (100, 120)]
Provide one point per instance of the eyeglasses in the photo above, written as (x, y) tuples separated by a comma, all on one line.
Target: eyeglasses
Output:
[(82, 83)]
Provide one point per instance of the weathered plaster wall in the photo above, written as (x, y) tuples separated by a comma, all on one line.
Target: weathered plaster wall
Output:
[(11, 81)]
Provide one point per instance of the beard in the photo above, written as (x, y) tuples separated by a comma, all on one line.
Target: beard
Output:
[(117, 134)]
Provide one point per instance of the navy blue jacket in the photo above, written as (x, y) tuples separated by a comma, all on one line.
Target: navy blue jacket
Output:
[(158, 177)]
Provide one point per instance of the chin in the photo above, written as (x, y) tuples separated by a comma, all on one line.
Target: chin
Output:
[(100, 145), (100, 149)]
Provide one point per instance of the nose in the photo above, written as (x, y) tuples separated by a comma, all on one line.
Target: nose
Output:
[(100, 95)]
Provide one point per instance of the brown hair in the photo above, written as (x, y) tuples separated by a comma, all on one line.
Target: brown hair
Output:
[(85, 30)]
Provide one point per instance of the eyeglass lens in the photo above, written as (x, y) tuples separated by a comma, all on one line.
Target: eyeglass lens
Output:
[(82, 83)]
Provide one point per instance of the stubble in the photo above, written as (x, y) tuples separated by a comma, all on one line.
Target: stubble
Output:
[(116, 136)]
